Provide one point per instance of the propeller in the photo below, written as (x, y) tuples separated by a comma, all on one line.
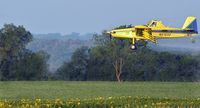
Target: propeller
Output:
[(110, 36)]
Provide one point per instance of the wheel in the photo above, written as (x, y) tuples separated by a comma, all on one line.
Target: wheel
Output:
[(133, 47), (193, 41)]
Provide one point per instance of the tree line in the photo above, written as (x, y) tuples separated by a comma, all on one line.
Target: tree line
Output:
[(108, 60), (17, 62)]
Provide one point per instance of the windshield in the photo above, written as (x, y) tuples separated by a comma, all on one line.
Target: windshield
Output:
[(153, 24)]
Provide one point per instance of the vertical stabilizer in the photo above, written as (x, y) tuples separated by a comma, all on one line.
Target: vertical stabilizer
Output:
[(191, 23)]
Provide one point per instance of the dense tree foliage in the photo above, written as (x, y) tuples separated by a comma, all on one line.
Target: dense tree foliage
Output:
[(77, 68), (31, 67), (144, 64), (16, 62)]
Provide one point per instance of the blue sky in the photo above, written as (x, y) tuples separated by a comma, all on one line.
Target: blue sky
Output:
[(66, 16)]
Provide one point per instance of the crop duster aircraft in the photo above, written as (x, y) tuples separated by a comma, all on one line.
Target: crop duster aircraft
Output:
[(156, 30)]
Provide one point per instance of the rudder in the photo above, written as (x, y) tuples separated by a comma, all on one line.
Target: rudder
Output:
[(191, 23)]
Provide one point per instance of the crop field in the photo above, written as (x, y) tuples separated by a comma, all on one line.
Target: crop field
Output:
[(66, 94)]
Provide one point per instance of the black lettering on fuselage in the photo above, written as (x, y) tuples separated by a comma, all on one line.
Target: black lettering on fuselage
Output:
[(164, 34)]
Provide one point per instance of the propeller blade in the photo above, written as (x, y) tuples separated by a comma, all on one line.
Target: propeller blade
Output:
[(110, 37)]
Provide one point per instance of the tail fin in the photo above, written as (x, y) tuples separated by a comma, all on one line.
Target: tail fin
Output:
[(191, 23)]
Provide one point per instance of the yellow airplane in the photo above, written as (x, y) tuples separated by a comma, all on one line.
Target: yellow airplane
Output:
[(156, 30)]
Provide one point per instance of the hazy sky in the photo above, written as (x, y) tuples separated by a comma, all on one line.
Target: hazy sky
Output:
[(66, 16)]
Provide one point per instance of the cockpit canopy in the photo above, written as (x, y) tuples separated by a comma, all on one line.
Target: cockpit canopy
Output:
[(155, 23)]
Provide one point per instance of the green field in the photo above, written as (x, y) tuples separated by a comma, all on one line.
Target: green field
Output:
[(68, 89)]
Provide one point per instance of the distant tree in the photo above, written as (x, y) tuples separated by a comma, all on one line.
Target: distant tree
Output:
[(117, 49), (13, 40), (76, 69), (32, 67), (100, 64), (16, 62)]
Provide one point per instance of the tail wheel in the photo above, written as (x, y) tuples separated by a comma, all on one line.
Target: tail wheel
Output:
[(193, 40)]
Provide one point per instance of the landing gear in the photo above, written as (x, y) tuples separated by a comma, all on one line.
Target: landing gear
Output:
[(133, 47)]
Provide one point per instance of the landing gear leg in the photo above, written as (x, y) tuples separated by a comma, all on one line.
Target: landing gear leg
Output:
[(133, 46)]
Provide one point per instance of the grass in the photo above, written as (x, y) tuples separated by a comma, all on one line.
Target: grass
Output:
[(70, 89)]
